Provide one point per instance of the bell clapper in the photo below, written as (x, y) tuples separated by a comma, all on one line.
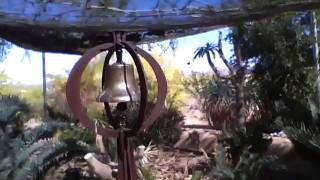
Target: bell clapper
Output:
[(121, 114)]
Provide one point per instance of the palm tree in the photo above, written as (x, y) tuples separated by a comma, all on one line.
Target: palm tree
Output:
[(208, 50), (236, 70)]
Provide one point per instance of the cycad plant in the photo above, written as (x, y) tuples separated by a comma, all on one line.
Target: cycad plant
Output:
[(11, 110), (305, 134), (30, 153), (307, 138)]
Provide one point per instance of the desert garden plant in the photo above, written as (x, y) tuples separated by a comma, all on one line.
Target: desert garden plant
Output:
[(28, 153)]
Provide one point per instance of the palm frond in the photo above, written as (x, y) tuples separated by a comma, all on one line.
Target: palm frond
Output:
[(201, 51)]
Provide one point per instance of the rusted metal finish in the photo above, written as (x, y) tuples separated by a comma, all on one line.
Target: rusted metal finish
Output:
[(143, 88), (162, 89), (126, 162), (73, 91), (106, 105)]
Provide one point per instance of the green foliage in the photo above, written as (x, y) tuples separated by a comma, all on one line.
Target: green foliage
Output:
[(77, 133), (196, 175), (33, 95), (248, 167), (45, 130), (176, 93), (237, 141), (30, 94), (4, 83), (33, 164), (31, 154), (196, 84), (10, 108), (283, 72), (306, 136), (56, 94), (218, 98), (146, 173), (90, 87), (27, 154), (165, 130)]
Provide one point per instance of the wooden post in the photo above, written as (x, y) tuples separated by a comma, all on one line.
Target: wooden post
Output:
[(44, 85)]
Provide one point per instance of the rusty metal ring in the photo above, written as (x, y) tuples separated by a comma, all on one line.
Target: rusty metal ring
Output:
[(106, 105), (143, 89), (162, 89), (73, 91)]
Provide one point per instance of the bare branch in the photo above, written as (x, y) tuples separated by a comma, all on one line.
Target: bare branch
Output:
[(222, 56), (212, 66)]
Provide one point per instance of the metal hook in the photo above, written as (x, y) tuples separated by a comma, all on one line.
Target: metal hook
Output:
[(118, 37)]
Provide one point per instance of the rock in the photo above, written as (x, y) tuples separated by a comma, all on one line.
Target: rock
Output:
[(103, 171)]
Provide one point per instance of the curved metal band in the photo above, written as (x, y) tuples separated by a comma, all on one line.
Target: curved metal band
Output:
[(143, 89), (73, 91), (106, 105), (162, 89)]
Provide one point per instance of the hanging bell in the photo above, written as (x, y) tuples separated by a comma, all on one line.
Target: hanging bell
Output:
[(119, 85)]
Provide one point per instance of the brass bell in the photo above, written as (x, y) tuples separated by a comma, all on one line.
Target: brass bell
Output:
[(119, 85)]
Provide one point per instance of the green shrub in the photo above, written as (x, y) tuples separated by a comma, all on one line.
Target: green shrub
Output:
[(77, 133), (28, 154), (166, 129)]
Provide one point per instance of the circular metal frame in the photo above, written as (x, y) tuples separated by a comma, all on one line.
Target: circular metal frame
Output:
[(73, 89)]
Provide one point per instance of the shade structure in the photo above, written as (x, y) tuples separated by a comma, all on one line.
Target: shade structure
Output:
[(73, 26)]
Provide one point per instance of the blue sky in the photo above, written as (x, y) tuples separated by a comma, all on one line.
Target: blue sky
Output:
[(28, 69)]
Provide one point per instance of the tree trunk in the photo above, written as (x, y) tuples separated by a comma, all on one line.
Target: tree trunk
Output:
[(315, 48), (239, 82), (212, 66), (44, 86)]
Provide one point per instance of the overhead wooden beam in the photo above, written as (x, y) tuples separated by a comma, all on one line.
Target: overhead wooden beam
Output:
[(72, 28)]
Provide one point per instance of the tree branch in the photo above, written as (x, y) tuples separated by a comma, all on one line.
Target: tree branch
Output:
[(222, 56), (212, 66)]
